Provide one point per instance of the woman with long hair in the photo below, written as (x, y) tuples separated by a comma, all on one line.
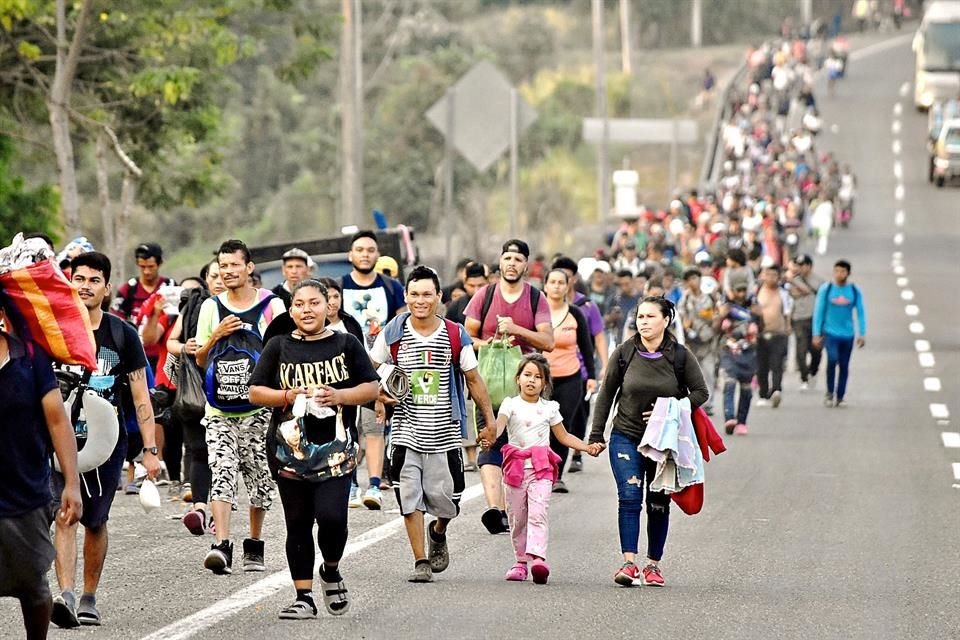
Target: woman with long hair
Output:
[(571, 337), (640, 371)]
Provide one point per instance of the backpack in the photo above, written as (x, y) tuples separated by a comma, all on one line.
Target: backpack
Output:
[(232, 359), (488, 302), (453, 333)]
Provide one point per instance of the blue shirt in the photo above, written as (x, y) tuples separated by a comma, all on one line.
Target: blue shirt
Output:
[(833, 311), (25, 450)]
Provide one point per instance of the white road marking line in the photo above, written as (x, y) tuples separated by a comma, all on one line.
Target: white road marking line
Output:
[(906, 294), (898, 255), (904, 89), (956, 471), (902, 282), (899, 192), (266, 587), (897, 109), (927, 361), (912, 310), (939, 411), (896, 147), (951, 439), (932, 384), (916, 327), (899, 218), (921, 345), (895, 127), (898, 239), (899, 269)]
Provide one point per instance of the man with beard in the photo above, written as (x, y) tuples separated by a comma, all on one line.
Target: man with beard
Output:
[(372, 300), (512, 308)]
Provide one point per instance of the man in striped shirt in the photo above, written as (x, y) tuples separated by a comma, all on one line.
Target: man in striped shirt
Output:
[(429, 422)]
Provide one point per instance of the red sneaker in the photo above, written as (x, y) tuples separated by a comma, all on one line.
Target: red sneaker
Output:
[(628, 575), (652, 576)]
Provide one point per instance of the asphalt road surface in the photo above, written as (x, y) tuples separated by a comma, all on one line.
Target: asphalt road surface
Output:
[(822, 523)]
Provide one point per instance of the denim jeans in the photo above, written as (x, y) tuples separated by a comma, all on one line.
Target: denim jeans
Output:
[(838, 357), (634, 472), (733, 409)]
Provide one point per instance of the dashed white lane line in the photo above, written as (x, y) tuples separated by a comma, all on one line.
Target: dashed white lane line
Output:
[(956, 470), (916, 327), (899, 192), (898, 255), (899, 269), (921, 345), (902, 282), (904, 89), (897, 109), (895, 127), (932, 385), (898, 239), (896, 147), (951, 439), (939, 411), (912, 310), (262, 589), (906, 294), (899, 218), (927, 361)]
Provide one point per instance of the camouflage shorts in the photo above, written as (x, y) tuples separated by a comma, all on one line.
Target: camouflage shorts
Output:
[(238, 446)]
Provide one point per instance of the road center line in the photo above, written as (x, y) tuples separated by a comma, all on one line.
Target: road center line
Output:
[(912, 310), (939, 411), (932, 384), (906, 294), (275, 582), (895, 127), (897, 109), (896, 147), (899, 269), (956, 470), (899, 218), (899, 192), (927, 361), (902, 282), (921, 345), (916, 327)]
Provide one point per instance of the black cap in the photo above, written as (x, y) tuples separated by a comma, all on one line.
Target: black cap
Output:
[(516, 246), (803, 259), (149, 250), (476, 270)]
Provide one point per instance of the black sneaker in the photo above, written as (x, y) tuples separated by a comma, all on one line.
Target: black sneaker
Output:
[(438, 553), (253, 555), (64, 613), (576, 465), (560, 487), (220, 558), (492, 519), (828, 400)]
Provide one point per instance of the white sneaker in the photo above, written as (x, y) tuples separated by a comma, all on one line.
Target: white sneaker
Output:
[(804, 386), (355, 500), (373, 499), (776, 398), (763, 402)]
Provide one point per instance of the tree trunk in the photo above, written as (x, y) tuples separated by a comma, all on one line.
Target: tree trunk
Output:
[(127, 194), (58, 104), (103, 197)]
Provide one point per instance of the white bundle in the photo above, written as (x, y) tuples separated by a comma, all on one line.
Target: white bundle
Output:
[(23, 253)]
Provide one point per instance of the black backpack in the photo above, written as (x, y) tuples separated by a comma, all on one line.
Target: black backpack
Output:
[(232, 359), (679, 367)]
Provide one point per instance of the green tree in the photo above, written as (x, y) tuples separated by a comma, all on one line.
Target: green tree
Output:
[(23, 209)]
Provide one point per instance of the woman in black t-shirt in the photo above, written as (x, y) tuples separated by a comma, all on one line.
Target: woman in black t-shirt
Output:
[(333, 371)]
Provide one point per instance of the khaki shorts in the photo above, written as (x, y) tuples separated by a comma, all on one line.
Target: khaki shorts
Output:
[(367, 422)]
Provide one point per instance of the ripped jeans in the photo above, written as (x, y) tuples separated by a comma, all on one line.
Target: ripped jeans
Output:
[(633, 473)]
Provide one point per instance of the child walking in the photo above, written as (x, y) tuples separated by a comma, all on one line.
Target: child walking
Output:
[(529, 465)]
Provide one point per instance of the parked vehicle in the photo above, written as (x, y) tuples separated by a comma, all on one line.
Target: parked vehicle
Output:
[(946, 153), (937, 50)]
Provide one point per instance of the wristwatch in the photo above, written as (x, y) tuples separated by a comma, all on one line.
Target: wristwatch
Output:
[(155, 451)]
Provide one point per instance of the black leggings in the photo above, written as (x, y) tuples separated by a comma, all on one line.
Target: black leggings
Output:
[(304, 503), (195, 435), (568, 392), (173, 447)]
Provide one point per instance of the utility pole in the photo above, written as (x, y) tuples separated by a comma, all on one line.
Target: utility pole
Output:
[(626, 59), (349, 207), (358, 118), (806, 11), (603, 170), (449, 222), (696, 24)]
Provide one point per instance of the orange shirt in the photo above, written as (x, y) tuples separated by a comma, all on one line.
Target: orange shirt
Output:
[(563, 359)]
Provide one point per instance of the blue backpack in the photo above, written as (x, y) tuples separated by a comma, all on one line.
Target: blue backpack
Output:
[(232, 359)]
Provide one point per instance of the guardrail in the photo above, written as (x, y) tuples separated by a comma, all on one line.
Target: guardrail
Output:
[(714, 150)]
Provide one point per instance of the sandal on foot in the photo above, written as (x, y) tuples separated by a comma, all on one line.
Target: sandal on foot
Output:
[(335, 597), (517, 573), (540, 571), (299, 610)]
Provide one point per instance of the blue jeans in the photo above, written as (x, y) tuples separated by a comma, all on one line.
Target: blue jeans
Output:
[(632, 473), (736, 410), (838, 356)]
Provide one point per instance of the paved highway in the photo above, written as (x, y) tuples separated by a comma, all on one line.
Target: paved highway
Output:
[(822, 523)]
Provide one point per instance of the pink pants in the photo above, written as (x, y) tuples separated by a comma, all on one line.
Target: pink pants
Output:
[(527, 508)]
